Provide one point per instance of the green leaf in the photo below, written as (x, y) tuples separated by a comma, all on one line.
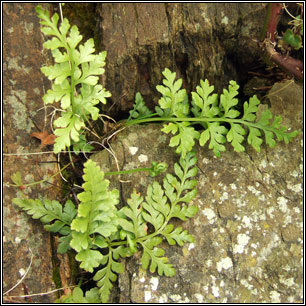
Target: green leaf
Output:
[(77, 297), (216, 133), (250, 109), (177, 236), (235, 136), (175, 99), (140, 110), (74, 37), (70, 125), (57, 93), (106, 276), (184, 140), (254, 140), (89, 259), (90, 96), (155, 256), (133, 212), (16, 178), (64, 244), (58, 72), (185, 212), (97, 211), (293, 40), (227, 100)]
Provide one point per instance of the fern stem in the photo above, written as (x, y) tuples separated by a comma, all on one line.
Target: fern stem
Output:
[(42, 181), (127, 171), (199, 120)]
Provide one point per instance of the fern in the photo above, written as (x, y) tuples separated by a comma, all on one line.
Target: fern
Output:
[(220, 120), (101, 234), (75, 75), (77, 297), (48, 211)]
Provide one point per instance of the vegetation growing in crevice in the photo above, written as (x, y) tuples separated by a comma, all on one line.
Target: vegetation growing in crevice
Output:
[(98, 231)]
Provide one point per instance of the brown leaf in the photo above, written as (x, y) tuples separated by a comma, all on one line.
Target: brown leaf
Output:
[(45, 138)]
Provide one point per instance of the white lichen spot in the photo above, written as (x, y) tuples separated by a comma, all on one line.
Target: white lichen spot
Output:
[(224, 20), (245, 283), (270, 211), (208, 262), (242, 240), (143, 158), (175, 297), (282, 203), (262, 198), (233, 186), (254, 191), (295, 188), (294, 173), (163, 299), (288, 282), (17, 240), (175, 285), (21, 272), (205, 160), (246, 221), (275, 297), (142, 280), (133, 150), (224, 196), (199, 297), (154, 283), (224, 263), (210, 214), (191, 246), (147, 296), (297, 210), (263, 164), (215, 174), (215, 291)]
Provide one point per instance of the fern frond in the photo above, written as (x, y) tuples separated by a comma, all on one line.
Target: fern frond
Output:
[(48, 211)]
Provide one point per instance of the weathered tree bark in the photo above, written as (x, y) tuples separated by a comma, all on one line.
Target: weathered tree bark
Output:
[(197, 40)]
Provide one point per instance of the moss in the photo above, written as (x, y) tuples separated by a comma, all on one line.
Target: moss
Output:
[(74, 267), (56, 276)]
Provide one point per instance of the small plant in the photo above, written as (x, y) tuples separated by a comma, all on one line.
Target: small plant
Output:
[(75, 75), (101, 233)]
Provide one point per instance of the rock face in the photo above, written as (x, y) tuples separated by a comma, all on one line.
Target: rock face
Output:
[(25, 243), (197, 40), (249, 228)]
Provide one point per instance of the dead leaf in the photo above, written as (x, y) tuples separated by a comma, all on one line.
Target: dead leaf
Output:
[(45, 138)]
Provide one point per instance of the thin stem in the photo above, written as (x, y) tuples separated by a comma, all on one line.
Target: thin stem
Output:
[(127, 171), (42, 181), (198, 120)]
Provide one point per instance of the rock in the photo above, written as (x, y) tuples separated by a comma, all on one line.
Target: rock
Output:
[(197, 40), (25, 243), (249, 228)]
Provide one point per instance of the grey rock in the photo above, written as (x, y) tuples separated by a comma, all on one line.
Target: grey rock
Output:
[(249, 228)]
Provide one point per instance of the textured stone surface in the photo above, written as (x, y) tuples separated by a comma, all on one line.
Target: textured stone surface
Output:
[(197, 40), (23, 87), (249, 229)]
